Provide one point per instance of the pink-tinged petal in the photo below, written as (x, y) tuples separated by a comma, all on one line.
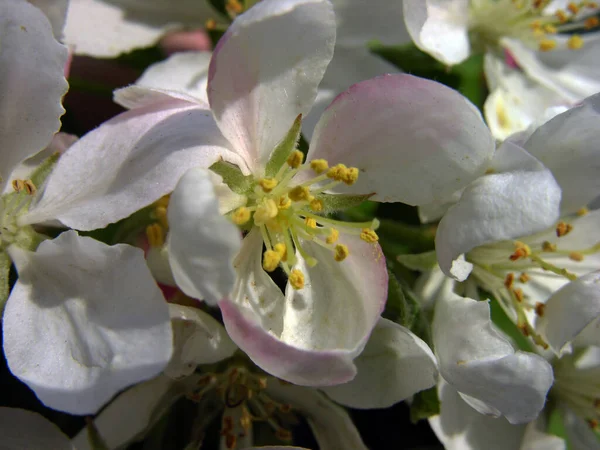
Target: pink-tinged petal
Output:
[(440, 28), (568, 146), (394, 366), (307, 337), (265, 71), (331, 425), (128, 163), (22, 429), (479, 362), (413, 140), (519, 199), (202, 243), (570, 311), (32, 83), (84, 321), (139, 96)]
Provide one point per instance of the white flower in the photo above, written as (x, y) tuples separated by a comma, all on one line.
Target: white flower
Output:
[(304, 336)]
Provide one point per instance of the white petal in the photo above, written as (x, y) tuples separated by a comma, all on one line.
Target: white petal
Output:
[(572, 74), (128, 163), (567, 145), (534, 439), (83, 321), (439, 27), (579, 434), (32, 83), (460, 427), (258, 84), (130, 414), (56, 12), (521, 201), (201, 242), (330, 424), (185, 72), (21, 429), (570, 310), (198, 339), (394, 365), (413, 140), (482, 365), (107, 29)]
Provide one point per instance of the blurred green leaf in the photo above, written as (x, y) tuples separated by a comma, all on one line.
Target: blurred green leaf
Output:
[(420, 261), (502, 321), (425, 404)]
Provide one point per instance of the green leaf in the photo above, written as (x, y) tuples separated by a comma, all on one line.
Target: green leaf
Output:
[(421, 261), (502, 321), (401, 308), (341, 202), (425, 404), (5, 264), (284, 148), (233, 177)]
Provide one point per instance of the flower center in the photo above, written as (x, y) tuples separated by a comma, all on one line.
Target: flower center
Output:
[(288, 214), (578, 388), (491, 20), (11, 206), (245, 401), (507, 268)]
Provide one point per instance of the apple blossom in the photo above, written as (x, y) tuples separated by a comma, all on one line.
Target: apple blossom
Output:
[(302, 336)]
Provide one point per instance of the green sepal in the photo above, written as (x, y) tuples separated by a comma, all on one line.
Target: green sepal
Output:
[(420, 261), (284, 148), (425, 404), (233, 177), (41, 172), (5, 263), (340, 202)]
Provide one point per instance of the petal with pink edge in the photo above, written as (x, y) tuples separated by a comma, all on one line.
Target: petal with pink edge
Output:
[(265, 72), (129, 162), (32, 83), (413, 140)]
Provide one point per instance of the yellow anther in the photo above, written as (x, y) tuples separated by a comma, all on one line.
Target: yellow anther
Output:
[(24, 185), (369, 235), (319, 165), (561, 16), (535, 25), (281, 249), (509, 280), (241, 215), (575, 42), (576, 256), (163, 201), (310, 222), (551, 29), (300, 193), (161, 215), (582, 211), (337, 172), (210, 24), (591, 22), (234, 6), (546, 45), (296, 279), (271, 260), (341, 252), (524, 278), (284, 202), (563, 228), (573, 7), (295, 159), (522, 250), (519, 295), (548, 246), (540, 308), (333, 236), (155, 235), (267, 184), (265, 211), (350, 176), (316, 205)]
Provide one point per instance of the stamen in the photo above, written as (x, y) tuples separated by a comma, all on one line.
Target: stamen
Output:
[(524, 278), (369, 235), (316, 205), (575, 42), (333, 236), (563, 228), (522, 251), (341, 252), (508, 281), (337, 172), (241, 215), (574, 8), (271, 260), (295, 159), (319, 166), (591, 22), (582, 211), (539, 308), (548, 246), (284, 202), (300, 193), (265, 211), (155, 235), (546, 45), (160, 212), (576, 256), (267, 184), (310, 222), (296, 279), (281, 249), (350, 176)]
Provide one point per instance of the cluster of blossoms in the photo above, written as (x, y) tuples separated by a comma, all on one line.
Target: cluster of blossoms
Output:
[(213, 247)]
